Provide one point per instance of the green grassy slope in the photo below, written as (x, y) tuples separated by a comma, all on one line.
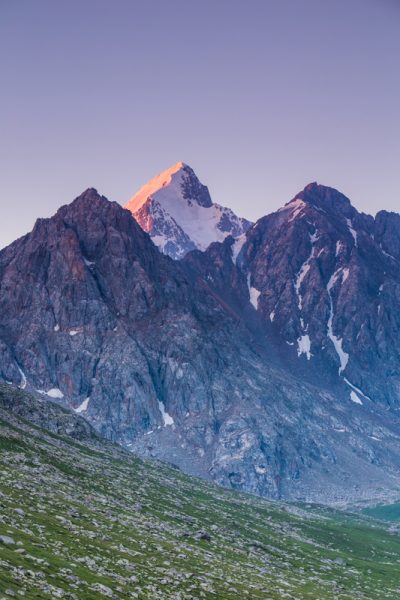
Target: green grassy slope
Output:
[(386, 512), (87, 524)]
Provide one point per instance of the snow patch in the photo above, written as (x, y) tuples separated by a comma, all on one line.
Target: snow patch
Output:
[(304, 342), (87, 262), (302, 273), (352, 231), (339, 246), (305, 267), (23, 383), (253, 293), (54, 393), (293, 204), (82, 407), (304, 346), (260, 470), (296, 206), (272, 316), (355, 398), (356, 389), (160, 241), (337, 342), (237, 246), (56, 327), (73, 332), (168, 420)]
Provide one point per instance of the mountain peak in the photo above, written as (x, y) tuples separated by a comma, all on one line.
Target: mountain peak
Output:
[(90, 194), (312, 187), (160, 181), (176, 209), (89, 202), (323, 197), (91, 191)]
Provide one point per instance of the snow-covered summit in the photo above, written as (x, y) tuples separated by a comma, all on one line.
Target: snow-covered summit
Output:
[(176, 209)]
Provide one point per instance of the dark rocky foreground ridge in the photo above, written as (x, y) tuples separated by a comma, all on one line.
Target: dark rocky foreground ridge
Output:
[(46, 414), (269, 363)]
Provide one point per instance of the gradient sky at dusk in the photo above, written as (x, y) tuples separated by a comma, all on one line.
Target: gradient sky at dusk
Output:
[(260, 97)]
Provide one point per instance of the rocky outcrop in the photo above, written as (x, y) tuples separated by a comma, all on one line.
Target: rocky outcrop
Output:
[(44, 414), (246, 363)]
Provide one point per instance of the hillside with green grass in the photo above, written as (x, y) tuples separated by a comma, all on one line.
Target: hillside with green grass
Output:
[(86, 520), (386, 512)]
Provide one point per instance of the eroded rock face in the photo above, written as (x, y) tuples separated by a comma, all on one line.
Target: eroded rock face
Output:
[(247, 363)]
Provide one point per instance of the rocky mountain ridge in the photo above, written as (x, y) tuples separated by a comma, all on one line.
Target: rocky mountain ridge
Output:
[(263, 363), (327, 282)]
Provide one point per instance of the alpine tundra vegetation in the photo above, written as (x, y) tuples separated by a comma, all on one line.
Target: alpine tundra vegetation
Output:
[(81, 518)]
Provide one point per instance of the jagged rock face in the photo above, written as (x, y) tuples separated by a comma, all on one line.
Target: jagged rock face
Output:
[(183, 361), (88, 289), (326, 282), (178, 213)]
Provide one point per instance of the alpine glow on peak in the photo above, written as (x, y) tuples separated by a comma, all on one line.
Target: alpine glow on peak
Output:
[(176, 209)]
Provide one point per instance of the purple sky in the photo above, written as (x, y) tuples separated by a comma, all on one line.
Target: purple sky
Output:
[(260, 97)]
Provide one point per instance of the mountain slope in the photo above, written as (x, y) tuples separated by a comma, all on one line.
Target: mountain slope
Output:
[(178, 213), (106, 524), (327, 281), (179, 360)]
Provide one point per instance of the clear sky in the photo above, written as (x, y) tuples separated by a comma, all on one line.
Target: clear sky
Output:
[(260, 97)]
